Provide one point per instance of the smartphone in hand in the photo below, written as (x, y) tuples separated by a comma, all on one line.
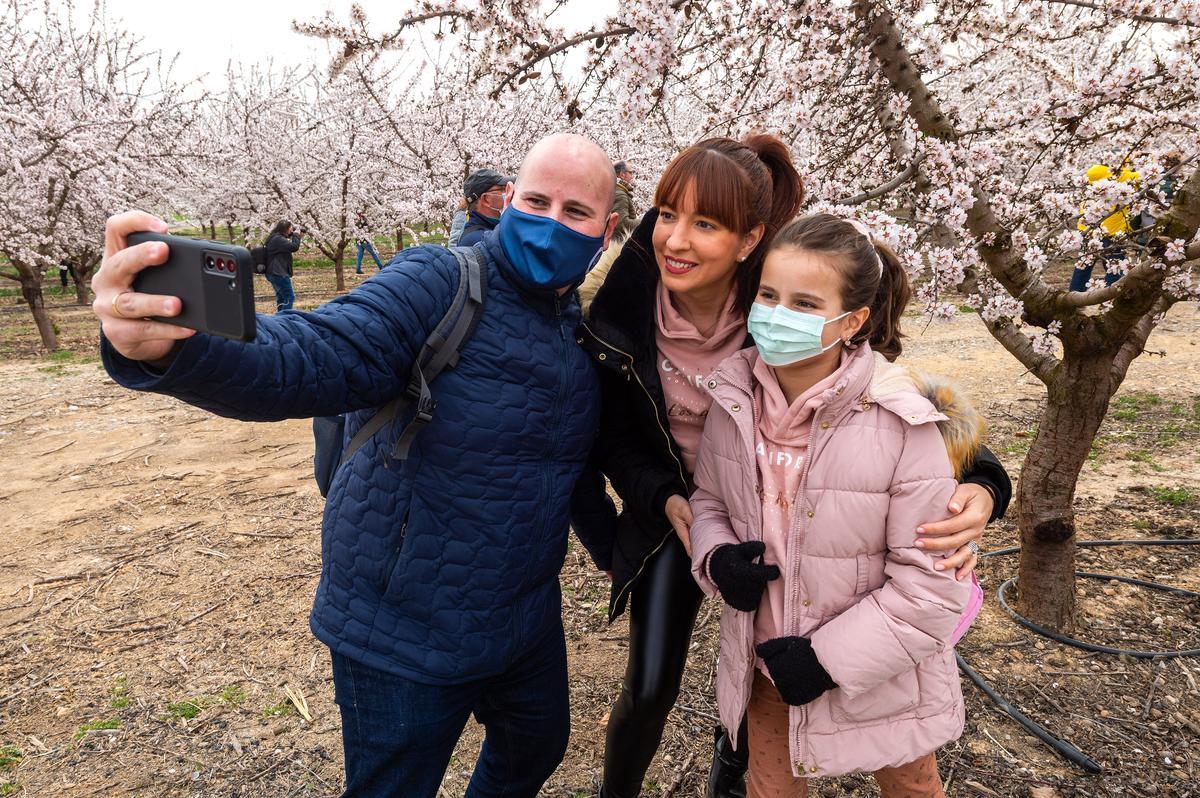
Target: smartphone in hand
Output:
[(214, 281)]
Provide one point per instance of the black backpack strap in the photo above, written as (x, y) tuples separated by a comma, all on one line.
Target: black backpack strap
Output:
[(442, 348), (386, 414)]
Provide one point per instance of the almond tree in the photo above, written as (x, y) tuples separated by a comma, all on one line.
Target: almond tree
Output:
[(961, 129), (87, 121)]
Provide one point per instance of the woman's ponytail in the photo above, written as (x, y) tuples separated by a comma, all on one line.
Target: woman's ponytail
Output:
[(787, 189)]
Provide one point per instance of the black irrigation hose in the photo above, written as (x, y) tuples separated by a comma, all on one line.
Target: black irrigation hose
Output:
[(1064, 748), (1086, 646), (1061, 746)]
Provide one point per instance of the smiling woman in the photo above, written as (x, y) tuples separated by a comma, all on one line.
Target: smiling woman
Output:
[(673, 306)]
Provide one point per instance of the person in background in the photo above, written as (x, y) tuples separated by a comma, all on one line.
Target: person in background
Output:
[(281, 243), (484, 193), (457, 223), (627, 215), (364, 245), (1115, 226), (66, 271)]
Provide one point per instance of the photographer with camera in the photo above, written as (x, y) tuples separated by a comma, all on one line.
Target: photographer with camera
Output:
[(281, 243)]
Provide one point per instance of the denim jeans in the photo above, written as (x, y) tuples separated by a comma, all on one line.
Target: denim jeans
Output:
[(285, 297), (398, 734), (1082, 274), (365, 246)]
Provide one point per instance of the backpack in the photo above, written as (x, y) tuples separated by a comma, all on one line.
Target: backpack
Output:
[(440, 351), (259, 256)]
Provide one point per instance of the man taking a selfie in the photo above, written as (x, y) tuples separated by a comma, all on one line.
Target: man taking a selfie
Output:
[(439, 594)]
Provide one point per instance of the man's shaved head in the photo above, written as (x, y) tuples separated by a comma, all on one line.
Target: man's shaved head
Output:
[(570, 179), (570, 151)]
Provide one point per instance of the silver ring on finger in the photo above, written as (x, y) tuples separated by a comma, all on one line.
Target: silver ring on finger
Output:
[(973, 545), (117, 311)]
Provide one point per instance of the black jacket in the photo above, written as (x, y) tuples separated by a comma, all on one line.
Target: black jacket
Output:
[(279, 254), (634, 446)]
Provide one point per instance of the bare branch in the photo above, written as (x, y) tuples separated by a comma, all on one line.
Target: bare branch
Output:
[(1042, 366), (1082, 299), (624, 30), (1117, 12), (1136, 343), (909, 172)]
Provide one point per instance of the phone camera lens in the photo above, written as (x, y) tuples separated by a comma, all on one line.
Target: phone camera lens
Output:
[(209, 262)]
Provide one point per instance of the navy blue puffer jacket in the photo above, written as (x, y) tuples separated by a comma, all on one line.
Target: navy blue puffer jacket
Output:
[(444, 567)]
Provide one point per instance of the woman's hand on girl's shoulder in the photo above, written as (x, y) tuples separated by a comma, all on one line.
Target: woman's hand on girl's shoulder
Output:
[(972, 507)]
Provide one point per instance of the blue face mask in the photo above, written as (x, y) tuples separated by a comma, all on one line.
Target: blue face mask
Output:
[(545, 252), (785, 336)]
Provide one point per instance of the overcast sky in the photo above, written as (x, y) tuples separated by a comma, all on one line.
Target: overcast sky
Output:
[(207, 35)]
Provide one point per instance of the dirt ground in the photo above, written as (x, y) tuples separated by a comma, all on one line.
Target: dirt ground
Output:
[(155, 589)]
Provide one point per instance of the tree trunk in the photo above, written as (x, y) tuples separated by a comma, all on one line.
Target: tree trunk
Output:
[(31, 289), (83, 279), (399, 240), (1075, 408), (339, 255), (82, 295)]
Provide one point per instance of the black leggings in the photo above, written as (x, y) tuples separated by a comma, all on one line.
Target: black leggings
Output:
[(663, 602)]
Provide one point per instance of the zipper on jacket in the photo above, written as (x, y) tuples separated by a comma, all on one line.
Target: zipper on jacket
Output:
[(799, 504), (395, 555), (649, 398), (678, 464)]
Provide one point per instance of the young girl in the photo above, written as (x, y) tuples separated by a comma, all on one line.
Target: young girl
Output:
[(822, 458)]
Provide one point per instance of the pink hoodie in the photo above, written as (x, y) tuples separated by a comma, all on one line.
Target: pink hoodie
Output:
[(685, 357), (880, 618), (781, 444)]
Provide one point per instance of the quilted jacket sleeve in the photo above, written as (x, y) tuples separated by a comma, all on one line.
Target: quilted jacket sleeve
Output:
[(593, 514), (710, 516), (916, 611), (352, 353)]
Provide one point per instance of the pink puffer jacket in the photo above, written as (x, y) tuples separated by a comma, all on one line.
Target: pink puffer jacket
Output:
[(882, 621)]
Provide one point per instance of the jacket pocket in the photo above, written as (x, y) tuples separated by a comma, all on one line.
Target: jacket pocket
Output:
[(940, 685), (894, 698), (394, 557)]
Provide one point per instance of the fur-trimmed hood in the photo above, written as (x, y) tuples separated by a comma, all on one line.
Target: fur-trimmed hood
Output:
[(963, 429)]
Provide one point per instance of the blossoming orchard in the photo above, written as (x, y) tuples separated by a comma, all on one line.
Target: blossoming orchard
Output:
[(988, 142)]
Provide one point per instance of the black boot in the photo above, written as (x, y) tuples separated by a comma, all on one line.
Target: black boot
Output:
[(727, 779)]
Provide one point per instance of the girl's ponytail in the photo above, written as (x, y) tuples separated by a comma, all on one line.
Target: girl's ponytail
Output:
[(882, 329)]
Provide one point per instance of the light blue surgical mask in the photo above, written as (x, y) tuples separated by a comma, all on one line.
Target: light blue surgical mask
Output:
[(784, 336)]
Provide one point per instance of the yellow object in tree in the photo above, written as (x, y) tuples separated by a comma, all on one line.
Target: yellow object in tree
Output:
[(1118, 222)]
